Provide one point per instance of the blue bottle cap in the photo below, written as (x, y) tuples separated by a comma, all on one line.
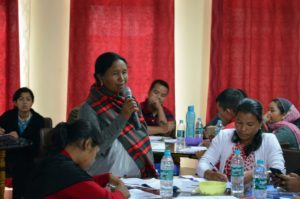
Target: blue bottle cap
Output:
[(219, 122), (237, 152), (167, 153), (191, 108)]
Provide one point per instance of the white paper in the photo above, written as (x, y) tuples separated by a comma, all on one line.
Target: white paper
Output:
[(192, 149), (170, 140), (192, 178), (138, 194), (152, 182), (158, 146), (155, 138), (132, 181), (187, 183)]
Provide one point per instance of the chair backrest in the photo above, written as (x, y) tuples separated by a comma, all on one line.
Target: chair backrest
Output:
[(292, 160), (48, 122), (46, 138)]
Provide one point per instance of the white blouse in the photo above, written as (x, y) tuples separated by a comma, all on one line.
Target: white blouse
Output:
[(221, 147)]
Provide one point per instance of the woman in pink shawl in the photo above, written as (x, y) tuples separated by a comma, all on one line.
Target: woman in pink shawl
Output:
[(281, 119)]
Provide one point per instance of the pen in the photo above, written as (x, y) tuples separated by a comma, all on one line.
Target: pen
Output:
[(111, 186), (191, 179), (142, 186), (214, 167)]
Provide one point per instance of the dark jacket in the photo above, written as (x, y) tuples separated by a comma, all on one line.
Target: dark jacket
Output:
[(15, 157)]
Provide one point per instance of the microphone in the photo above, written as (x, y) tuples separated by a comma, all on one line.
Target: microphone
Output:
[(135, 118)]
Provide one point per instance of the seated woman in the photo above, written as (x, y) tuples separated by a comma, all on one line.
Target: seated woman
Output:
[(248, 138), (126, 149), (62, 175), (279, 120), (21, 121), (159, 119)]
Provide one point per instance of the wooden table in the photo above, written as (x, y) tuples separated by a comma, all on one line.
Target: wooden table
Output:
[(6, 143)]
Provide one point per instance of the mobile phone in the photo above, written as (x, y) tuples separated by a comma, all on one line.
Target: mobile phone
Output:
[(275, 171)]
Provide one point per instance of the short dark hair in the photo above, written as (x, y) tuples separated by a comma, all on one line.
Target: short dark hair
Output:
[(72, 133), (105, 61), (254, 107), (19, 92), (161, 82), (230, 98)]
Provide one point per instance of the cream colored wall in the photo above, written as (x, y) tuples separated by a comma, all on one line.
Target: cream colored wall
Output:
[(49, 47), (192, 49), (49, 37)]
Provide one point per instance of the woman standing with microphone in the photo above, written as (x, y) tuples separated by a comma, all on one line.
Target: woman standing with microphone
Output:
[(126, 149)]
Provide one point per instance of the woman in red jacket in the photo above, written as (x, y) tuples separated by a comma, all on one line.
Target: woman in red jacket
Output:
[(63, 175)]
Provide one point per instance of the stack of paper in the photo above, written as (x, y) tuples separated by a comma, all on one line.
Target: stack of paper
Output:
[(158, 146), (192, 149), (138, 194)]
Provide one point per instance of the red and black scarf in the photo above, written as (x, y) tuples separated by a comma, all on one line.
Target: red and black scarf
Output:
[(108, 106)]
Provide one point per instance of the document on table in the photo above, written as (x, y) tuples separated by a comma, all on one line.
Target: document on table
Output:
[(155, 138), (170, 140), (158, 146), (193, 149), (138, 194), (152, 182), (186, 183)]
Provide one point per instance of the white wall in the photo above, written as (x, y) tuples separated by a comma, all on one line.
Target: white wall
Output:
[(49, 47), (192, 50)]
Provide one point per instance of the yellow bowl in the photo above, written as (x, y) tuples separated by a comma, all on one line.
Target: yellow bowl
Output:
[(212, 187)]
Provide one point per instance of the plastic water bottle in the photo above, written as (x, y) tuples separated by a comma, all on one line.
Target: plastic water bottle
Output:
[(190, 122), (219, 127), (166, 175), (199, 129), (259, 180), (237, 175), (180, 135)]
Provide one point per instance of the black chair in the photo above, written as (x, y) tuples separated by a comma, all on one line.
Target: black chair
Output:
[(292, 160), (45, 140), (48, 122)]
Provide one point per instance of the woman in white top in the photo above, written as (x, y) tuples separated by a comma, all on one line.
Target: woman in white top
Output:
[(248, 138)]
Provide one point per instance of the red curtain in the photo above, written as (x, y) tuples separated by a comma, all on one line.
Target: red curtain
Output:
[(255, 46), (142, 31), (9, 52)]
